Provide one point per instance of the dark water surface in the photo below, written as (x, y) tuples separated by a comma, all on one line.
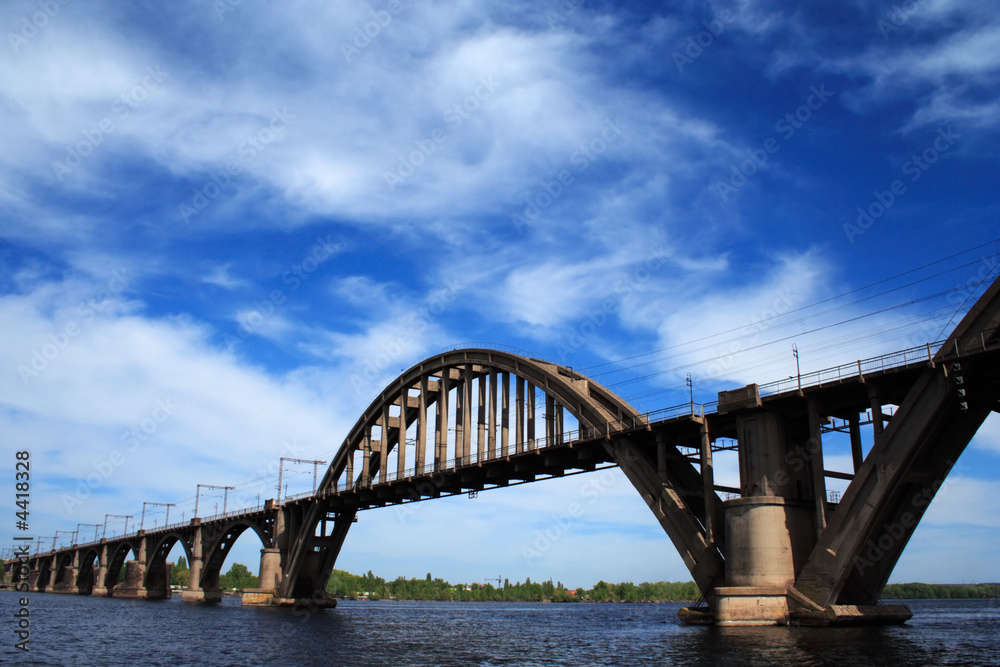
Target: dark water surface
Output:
[(74, 630)]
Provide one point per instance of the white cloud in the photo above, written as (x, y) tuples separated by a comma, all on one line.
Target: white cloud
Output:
[(530, 99), (221, 277), (988, 437), (89, 384), (948, 76)]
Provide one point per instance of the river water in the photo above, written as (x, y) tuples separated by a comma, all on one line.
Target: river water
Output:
[(79, 630)]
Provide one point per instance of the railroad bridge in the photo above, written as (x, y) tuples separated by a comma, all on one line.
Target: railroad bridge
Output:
[(777, 551)]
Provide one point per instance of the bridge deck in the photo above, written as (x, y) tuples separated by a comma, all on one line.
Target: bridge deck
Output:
[(843, 390)]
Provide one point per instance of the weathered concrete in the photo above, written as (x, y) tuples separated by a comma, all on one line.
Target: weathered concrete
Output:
[(751, 605), (766, 536), (137, 584)]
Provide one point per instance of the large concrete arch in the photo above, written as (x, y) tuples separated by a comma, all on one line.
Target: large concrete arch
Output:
[(675, 493), (157, 551), (218, 549), (62, 572), (116, 561), (86, 578), (43, 578)]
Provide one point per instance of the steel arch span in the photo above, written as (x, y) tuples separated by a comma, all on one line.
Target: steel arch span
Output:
[(490, 400)]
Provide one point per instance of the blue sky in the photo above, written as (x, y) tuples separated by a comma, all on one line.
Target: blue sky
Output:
[(226, 226)]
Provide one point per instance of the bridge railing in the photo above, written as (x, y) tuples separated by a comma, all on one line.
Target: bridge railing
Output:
[(489, 346), (683, 410), (235, 513), (297, 496), (851, 371), (983, 341)]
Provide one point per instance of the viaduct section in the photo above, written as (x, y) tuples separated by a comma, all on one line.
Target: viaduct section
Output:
[(777, 551)]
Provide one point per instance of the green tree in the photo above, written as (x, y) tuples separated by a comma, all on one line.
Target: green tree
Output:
[(601, 592), (180, 575), (238, 577)]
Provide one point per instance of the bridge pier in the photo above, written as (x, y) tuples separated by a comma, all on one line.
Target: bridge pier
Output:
[(100, 588), (137, 584), (34, 573), (765, 536), (771, 529), (266, 593), (67, 575), (194, 592)]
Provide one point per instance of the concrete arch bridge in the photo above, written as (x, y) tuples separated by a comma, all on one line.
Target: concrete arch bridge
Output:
[(776, 552)]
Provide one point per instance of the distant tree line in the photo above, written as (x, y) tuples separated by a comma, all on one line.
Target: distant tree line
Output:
[(346, 585), (351, 586), (238, 576), (917, 591)]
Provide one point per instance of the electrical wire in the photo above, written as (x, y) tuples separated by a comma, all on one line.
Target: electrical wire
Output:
[(589, 369)]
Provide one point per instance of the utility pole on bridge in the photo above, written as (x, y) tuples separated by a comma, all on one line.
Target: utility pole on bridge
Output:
[(281, 470), (166, 521), (119, 516), (225, 496), (95, 526)]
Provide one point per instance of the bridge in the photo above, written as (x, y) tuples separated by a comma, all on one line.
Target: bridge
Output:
[(776, 551)]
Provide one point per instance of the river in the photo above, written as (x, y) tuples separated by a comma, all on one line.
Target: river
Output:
[(80, 630)]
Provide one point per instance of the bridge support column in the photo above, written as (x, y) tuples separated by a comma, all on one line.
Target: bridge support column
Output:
[(100, 589), (194, 592), (34, 573), (137, 584), (765, 537), (266, 593), (67, 581), (771, 530), (132, 587)]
